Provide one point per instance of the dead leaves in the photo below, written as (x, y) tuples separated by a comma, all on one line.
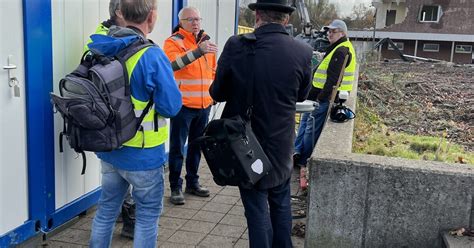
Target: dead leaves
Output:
[(461, 160), (299, 230), (432, 99)]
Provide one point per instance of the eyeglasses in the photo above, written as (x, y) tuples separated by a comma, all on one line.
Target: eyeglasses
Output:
[(191, 19), (333, 31)]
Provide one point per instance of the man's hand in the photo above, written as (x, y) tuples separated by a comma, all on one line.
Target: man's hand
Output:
[(319, 55), (207, 47)]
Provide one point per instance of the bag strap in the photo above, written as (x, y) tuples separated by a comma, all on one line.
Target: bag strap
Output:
[(84, 162), (145, 112), (250, 40), (122, 57), (128, 52)]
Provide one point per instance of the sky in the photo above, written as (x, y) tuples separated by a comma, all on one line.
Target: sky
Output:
[(345, 6)]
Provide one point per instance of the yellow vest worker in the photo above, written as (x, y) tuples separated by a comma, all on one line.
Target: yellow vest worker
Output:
[(324, 79), (320, 76)]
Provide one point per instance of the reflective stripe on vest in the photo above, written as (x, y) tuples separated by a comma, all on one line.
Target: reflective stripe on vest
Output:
[(184, 82), (195, 94), (320, 76), (195, 78), (149, 134)]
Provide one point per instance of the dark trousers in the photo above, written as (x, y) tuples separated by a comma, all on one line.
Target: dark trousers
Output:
[(188, 124), (268, 214)]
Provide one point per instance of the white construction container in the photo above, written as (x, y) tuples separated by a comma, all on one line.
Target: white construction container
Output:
[(43, 40)]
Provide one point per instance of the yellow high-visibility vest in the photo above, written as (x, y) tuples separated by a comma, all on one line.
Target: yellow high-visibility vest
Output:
[(320, 76), (152, 132)]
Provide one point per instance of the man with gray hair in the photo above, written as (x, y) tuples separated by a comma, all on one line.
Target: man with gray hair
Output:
[(128, 206), (115, 18), (140, 161), (193, 58), (282, 75)]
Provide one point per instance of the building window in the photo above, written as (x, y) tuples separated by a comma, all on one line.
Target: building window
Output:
[(391, 17), (398, 44), (430, 13), (430, 47), (463, 49)]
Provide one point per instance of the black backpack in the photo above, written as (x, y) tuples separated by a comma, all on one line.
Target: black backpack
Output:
[(95, 103)]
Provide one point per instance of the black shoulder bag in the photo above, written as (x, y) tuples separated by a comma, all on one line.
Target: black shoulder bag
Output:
[(229, 145)]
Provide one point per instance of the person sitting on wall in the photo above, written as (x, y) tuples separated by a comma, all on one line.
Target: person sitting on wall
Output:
[(324, 79)]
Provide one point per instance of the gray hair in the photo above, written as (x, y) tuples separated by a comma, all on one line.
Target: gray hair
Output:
[(114, 5), (270, 16), (137, 11), (180, 14)]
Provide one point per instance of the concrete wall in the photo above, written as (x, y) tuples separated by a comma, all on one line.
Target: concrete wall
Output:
[(370, 201), (358, 200)]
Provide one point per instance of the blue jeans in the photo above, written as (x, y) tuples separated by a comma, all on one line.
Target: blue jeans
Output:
[(311, 126), (147, 192), (268, 214), (188, 124)]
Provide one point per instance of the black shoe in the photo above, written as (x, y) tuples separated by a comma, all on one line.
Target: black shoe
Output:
[(177, 197), (199, 191), (128, 217)]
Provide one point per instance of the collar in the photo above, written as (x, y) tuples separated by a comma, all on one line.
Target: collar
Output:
[(137, 30), (186, 34), (271, 28), (109, 23), (338, 42)]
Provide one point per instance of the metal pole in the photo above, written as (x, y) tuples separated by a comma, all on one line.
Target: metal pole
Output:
[(375, 25)]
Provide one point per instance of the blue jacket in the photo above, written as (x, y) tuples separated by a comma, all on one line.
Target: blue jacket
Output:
[(152, 74)]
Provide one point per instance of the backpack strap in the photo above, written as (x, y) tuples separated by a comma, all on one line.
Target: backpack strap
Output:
[(145, 111), (61, 135), (128, 52), (123, 56), (84, 162), (249, 41)]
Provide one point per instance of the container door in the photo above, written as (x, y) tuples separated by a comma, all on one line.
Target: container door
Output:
[(13, 163)]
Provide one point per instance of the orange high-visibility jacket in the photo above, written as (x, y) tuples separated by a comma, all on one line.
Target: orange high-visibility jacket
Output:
[(193, 71)]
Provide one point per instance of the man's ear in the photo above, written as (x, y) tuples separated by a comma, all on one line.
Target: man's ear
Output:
[(287, 19), (257, 16), (119, 13), (150, 19)]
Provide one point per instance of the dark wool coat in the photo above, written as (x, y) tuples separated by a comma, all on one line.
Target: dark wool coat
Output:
[(282, 72)]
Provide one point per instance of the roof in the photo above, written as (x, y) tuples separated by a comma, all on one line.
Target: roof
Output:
[(411, 36)]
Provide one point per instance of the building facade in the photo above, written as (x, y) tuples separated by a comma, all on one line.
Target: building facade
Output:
[(434, 29)]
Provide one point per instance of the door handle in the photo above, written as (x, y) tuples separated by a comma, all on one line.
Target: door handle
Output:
[(10, 67), (12, 80)]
